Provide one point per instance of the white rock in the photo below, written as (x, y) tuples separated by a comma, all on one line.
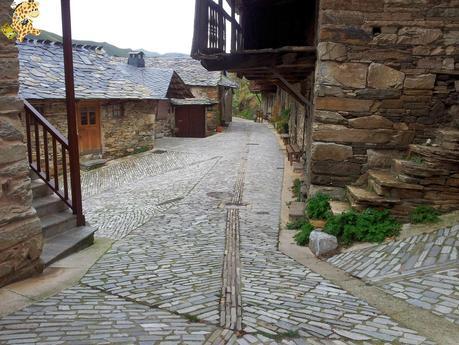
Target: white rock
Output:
[(322, 244)]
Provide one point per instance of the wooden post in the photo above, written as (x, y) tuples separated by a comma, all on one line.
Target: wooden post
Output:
[(221, 32), (233, 26), (74, 154)]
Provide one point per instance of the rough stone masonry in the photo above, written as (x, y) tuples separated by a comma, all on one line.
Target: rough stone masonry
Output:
[(20, 229)]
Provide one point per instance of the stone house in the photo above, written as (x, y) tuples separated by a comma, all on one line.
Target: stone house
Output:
[(118, 103), (214, 88), (367, 83)]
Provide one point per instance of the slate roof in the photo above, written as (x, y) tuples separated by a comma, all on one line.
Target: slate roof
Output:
[(97, 75), (191, 71)]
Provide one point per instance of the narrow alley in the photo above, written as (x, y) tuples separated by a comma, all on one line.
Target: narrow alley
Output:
[(196, 260)]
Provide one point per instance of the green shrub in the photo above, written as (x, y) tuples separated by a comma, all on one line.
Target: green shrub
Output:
[(369, 226), (424, 214), (281, 122), (417, 159), (297, 224), (302, 236), (319, 207), (297, 189)]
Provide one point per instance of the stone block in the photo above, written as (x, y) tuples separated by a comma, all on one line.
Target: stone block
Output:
[(422, 82), (330, 151), (9, 132), (331, 51), (342, 134), (378, 94), (344, 104), (331, 117), (418, 35), (296, 210), (351, 75), (371, 122), (322, 244), (335, 193), (12, 152), (384, 77), (382, 159), (336, 168)]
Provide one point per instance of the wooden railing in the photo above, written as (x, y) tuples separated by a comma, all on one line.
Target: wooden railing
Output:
[(50, 157), (211, 26)]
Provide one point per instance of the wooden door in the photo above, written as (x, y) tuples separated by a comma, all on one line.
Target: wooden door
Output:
[(89, 128), (190, 121)]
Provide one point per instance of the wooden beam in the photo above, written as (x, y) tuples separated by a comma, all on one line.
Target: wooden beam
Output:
[(291, 89)]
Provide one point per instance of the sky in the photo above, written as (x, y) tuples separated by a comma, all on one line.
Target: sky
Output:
[(163, 26)]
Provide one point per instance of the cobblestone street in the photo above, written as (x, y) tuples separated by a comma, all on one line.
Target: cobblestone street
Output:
[(196, 260)]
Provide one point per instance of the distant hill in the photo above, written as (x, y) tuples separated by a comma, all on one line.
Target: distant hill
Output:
[(109, 48)]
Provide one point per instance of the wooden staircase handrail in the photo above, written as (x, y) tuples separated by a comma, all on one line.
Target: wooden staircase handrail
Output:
[(45, 123)]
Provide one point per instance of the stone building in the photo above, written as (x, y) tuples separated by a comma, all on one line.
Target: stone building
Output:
[(366, 83), (213, 87), (21, 238), (118, 103)]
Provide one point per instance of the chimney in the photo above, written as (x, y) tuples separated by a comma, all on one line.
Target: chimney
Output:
[(136, 59)]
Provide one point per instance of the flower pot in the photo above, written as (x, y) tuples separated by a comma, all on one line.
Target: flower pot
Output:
[(219, 129)]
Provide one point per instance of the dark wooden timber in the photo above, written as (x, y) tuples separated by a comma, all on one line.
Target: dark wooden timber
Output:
[(45, 172), (45, 144), (74, 155)]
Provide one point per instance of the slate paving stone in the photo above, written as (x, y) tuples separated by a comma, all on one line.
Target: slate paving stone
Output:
[(164, 273)]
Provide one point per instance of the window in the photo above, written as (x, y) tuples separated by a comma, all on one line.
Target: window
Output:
[(92, 118), (84, 118), (116, 110)]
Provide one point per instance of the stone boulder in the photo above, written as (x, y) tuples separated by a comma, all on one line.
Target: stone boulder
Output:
[(322, 244), (371, 122)]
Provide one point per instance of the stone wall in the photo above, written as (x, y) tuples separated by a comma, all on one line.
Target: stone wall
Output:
[(386, 77), (132, 132), (165, 120), (21, 239)]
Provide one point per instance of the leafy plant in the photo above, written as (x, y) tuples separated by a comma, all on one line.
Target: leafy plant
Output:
[(302, 236), (297, 224), (281, 122), (296, 189), (319, 207), (368, 226), (417, 159), (424, 214)]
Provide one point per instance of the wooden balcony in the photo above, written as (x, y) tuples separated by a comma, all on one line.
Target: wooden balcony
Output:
[(293, 52)]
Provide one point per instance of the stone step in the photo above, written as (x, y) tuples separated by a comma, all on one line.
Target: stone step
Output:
[(66, 243), (435, 154), (55, 224), (385, 178), (48, 205), (363, 198), (40, 189), (386, 185), (418, 170), (339, 207)]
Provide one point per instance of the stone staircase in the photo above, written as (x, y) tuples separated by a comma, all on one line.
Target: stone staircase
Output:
[(61, 235), (428, 176)]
